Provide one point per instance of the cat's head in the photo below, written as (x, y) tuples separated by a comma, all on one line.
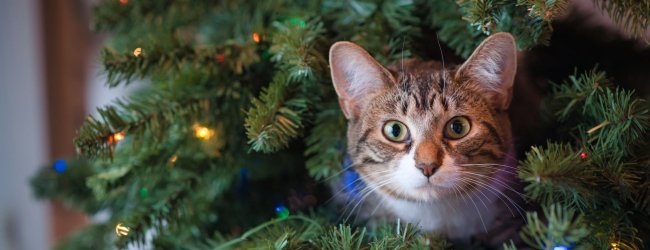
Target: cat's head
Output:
[(422, 132)]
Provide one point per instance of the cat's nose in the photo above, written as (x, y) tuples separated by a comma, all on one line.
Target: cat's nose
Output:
[(428, 169)]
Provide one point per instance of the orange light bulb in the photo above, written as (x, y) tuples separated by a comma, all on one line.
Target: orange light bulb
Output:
[(137, 52), (256, 37), (202, 132), (117, 137)]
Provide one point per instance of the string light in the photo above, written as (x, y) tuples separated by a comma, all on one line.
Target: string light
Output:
[(281, 212), (622, 245), (172, 160), (221, 58), (60, 166), (202, 132), (121, 230), (583, 155), (117, 137), (144, 192), (137, 52), (256, 37)]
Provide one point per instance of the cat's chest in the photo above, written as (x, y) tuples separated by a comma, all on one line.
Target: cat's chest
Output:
[(461, 217)]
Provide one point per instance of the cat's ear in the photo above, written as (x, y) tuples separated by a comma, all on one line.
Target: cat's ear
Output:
[(356, 76), (492, 69)]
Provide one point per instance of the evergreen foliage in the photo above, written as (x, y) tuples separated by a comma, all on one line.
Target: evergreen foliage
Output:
[(633, 16), (562, 229), (252, 79), (604, 173)]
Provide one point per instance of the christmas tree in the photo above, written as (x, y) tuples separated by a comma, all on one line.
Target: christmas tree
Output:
[(238, 133)]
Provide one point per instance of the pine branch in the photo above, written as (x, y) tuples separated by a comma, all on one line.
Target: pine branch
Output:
[(404, 236), (98, 236), (528, 20), (632, 15), (556, 174), (564, 228), (571, 98), (69, 187), (510, 245), (160, 59), (149, 112), (275, 118), (446, 17), (612, 122), (342, 237), (292, 232), (625, 121), (277, 115), (608, 182), (326, 143), (296, 50), (545, 9), (373, 24), (482, 14), (115, 16), (528, 30), (608, 226), (400, 19)]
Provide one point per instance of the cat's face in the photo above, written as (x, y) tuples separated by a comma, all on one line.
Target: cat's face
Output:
[(424, 133)]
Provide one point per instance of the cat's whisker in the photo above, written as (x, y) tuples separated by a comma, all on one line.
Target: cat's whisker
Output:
[(370, 191), (499, 193), (343, 170), (480, 184), (350, 186), (495, 168), (367, 187), (488, 164), (380, 204), (480, 216), (509, 200), (402, 59), (504, 181), (347, 187), (364, 194), (480, 191), (510, 169), (497, 180), (442, 58)]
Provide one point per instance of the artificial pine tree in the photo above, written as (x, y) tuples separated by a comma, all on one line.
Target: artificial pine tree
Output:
[(239, 124)]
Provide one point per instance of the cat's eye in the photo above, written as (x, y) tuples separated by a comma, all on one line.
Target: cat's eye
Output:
[(458, 127), (396, 131)]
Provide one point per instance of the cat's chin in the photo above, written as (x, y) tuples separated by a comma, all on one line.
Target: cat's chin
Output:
[(431, 192)]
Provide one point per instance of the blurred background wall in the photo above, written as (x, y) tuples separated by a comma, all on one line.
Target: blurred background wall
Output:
[(23, 129), (50, 79)]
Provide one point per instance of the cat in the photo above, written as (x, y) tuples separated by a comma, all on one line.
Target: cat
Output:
[(432, 145)]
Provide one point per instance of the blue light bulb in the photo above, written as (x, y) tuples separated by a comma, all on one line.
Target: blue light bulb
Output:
[(60, 166)]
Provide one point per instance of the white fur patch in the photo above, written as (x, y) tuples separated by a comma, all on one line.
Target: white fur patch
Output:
[(458, 216)]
